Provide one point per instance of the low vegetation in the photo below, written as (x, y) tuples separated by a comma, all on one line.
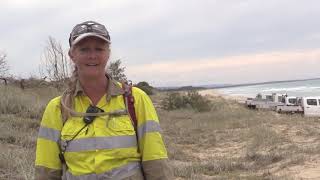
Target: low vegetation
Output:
[(181, 100), (145, 87), (206, 137)]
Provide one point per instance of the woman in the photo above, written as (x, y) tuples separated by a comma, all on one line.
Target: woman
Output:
[(87, 133)]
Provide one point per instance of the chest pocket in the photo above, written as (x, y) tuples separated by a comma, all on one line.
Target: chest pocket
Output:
[(71, 127), (120, 123)]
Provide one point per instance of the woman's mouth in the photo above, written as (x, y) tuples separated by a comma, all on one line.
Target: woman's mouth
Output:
[(91, 64)]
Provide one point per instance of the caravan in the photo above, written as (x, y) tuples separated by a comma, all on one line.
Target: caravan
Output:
[(311, 106)]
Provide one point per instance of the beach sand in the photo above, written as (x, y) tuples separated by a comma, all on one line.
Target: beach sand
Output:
[(216, 93)]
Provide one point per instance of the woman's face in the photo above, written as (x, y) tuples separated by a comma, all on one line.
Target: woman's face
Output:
[(90, 56)]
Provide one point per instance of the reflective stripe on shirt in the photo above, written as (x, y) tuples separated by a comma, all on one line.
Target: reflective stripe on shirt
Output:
[(94, 143), (149, 126), (114, 174), (49, 134)]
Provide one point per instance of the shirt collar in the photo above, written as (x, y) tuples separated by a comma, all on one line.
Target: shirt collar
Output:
[(113, 88)]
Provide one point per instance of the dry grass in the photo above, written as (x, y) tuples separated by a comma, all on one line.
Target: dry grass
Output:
[(20, 114), (29, 103), (17, 140), (229, 142), (233, 142)]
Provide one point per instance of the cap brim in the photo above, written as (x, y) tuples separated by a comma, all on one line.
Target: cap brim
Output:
[(90, 34)]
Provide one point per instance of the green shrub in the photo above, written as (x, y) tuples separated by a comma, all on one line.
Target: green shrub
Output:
[(198, 102), (192, 99), (145, 87), (174, 101), (147, 90)]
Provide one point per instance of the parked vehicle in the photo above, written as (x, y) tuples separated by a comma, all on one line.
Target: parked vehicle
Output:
[(308, 106), (311, 106), (290, 104), (265, 101), (290, 100)]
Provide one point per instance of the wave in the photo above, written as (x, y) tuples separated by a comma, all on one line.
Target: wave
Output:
[(299, 88), (303, 88)]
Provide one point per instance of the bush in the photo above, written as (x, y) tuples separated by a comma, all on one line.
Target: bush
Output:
[(145, 87), (147, 90), (192, 99), (174, 101), (198, 102)]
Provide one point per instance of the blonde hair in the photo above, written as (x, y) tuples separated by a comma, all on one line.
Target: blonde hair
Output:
[(67, 98)]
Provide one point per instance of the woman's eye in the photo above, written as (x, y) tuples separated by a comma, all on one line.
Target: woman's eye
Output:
[(84, 49), (99, 49)]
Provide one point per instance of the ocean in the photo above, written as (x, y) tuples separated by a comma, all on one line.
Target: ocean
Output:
[(294, 88)]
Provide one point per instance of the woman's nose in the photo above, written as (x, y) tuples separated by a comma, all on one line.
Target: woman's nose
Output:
[(92, 54)]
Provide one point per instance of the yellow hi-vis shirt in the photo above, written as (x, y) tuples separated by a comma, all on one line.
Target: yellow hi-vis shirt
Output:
[(106, 148)]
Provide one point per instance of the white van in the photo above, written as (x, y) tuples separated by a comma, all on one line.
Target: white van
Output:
[(311, 106)]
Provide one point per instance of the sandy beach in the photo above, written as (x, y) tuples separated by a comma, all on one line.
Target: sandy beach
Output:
[(216, 93)]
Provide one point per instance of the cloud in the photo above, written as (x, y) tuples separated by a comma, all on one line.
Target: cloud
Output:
[(279, 65), (161, 32)]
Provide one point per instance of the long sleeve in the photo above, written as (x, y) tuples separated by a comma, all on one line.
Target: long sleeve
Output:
[(48, 165), (154, 154)]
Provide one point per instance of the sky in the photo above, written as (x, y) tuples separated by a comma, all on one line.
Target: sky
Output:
[(175, 42)]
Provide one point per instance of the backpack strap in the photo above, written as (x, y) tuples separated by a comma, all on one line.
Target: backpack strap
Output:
[(129, 102)]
